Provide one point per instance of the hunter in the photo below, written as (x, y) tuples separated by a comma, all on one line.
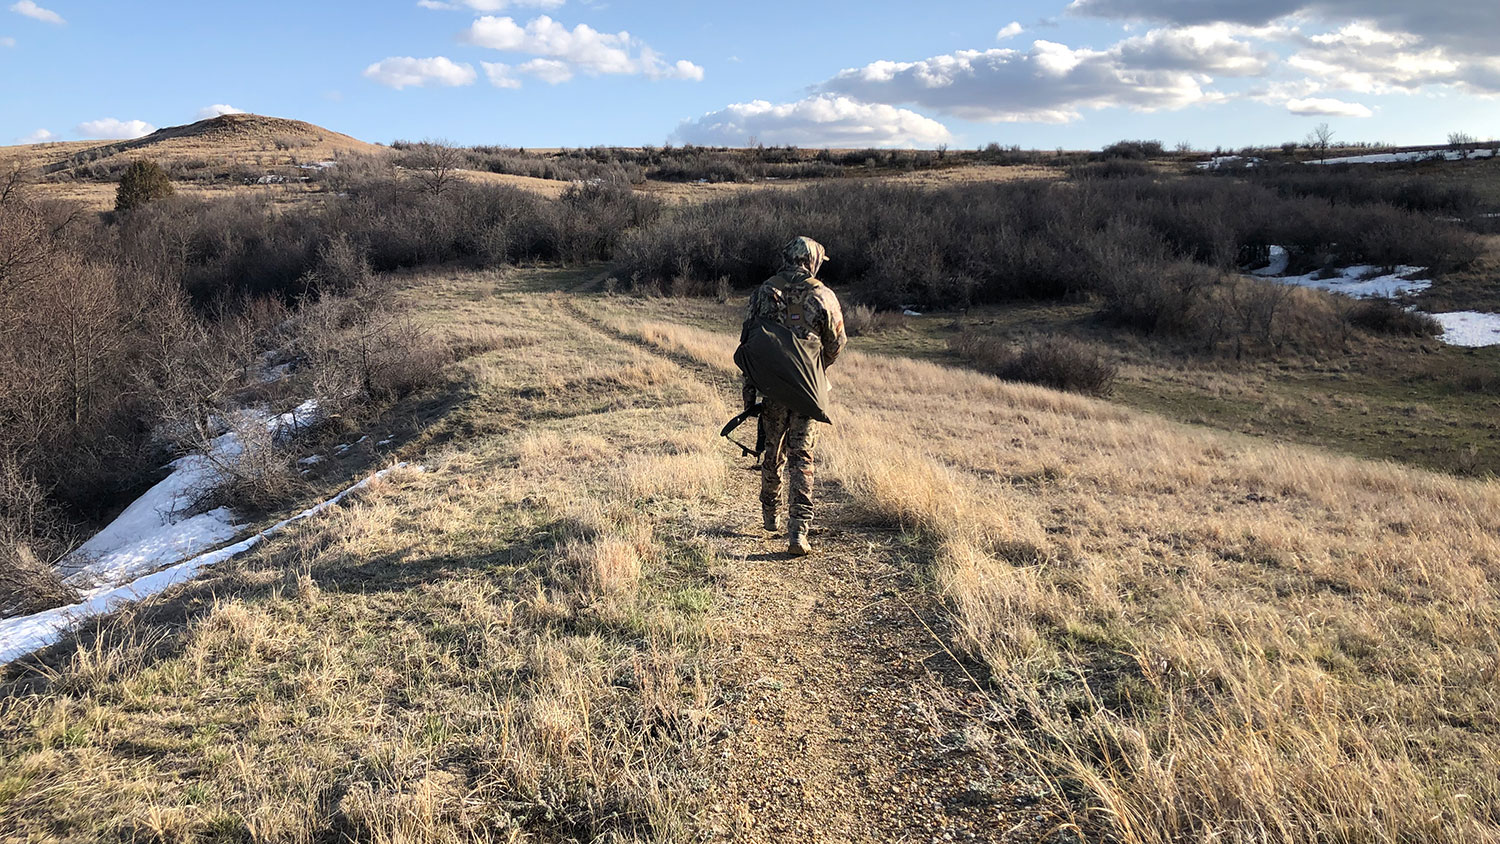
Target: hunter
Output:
[(794, 298)]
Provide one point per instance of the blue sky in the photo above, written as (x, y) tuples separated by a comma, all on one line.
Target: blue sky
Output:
[(1060, 73)]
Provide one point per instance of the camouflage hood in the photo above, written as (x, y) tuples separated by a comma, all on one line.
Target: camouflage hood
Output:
[(802, 258)]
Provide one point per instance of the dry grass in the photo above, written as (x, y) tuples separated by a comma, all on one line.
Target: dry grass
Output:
[(1191, 634), (1197, 635), (242, 138), (493, 649)]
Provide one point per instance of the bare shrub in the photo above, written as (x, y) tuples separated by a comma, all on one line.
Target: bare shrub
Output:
[(342, 265), (862, 320), (29, 585), (27, 526), (361, 347), (1485, 382), (257, 473), (290, 142), (1112, 168), (1134, 150), (1061, 363), (435, 164), (1384, 316)]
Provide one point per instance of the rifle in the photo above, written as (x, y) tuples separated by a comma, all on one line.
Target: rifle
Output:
[(760, 434)]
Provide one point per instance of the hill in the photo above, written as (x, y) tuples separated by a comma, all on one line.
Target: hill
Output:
[(235, 138)]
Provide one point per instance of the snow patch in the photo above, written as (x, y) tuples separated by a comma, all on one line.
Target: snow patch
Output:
[(1279, 260), (1460, 328), (1417, 155), (27, 634), (150, 533), (1469, 328), (153, 533), (1224, 162), (1361, 281)]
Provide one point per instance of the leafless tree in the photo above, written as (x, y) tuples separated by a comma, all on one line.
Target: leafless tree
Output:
[(435, 164), (1461, 142), (1319, 139)]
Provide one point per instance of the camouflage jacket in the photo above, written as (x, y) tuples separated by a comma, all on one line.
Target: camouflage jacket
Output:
[(821, 313)]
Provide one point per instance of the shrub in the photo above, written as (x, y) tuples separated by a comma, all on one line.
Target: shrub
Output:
[(862, 320), (29, 585), (1061, 363), (142, 182), (900, 246), (1112, 168), (361, 348), (27, 525), (341, 266), (1384, 316), (1134, 149), (260, 475)]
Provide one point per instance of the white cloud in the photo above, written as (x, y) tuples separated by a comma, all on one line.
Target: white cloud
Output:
[(550, 71), (1053, 83), (115, 130), (821, 120), (1327, 106), (655, 67), (1211, 49), (1359, 57), (1468, 25), (500, 75), (40, 136), (581, 48), (32, 10), (7, 41), (218, 110), (1377, 46), (1010, 30), (406, 72), (489, 5)]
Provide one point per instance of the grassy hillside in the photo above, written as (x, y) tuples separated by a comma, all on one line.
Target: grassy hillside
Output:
[(569, 626), (1031, 616), (1195, 634), (269, 140)]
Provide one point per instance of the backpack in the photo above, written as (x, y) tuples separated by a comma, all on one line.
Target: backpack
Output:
[(785, 368)]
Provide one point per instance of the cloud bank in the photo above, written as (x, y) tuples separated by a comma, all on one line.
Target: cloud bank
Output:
[(561, 52), (1054, 83), (1311, 106), (821, 120), (1377, 46)]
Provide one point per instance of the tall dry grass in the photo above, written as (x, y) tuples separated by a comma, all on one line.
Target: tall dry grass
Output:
[(493, 649), (1196, 635)]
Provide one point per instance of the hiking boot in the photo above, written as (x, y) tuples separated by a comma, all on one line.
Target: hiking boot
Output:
[(768, 515), (797, 544)]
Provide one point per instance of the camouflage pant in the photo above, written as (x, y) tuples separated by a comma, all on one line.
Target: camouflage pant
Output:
[(789, 442)]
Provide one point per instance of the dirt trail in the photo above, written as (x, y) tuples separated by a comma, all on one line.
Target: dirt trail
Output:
[(847, 718)]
